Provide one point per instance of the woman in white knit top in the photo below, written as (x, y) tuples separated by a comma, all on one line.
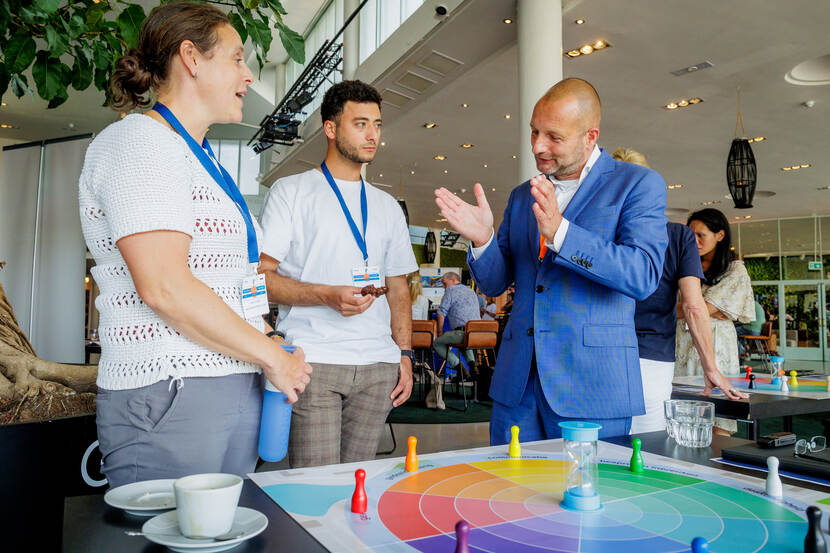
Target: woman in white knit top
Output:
[(180, 388)]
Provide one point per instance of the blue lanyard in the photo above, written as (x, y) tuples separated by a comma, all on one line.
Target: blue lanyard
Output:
[(215, 170), (361, 240)]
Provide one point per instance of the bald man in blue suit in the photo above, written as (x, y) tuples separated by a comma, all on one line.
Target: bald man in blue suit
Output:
[(582, 241)]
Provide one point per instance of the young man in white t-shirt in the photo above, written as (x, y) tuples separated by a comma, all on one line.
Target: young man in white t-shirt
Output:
[(327, 237)]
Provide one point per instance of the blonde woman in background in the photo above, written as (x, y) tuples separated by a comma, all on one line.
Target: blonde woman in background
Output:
[(655, 321), (420, 305)]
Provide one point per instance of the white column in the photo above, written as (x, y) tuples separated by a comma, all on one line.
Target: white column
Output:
[(540, 66), (279, 82), (351, 39)]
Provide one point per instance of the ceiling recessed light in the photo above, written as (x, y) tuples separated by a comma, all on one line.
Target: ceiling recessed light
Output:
[(804, 165), (445, 171), (485, 166), (695, 100), (683, 103), (412, 172), (463, 190), (796, 167), (747, 216), (383, 143), (673, 186), (466, 146), (381, 175), (5, 126), (430, 125), (599, 45), (515, 157), (507, 116), (579, 21), (493, 189), (440, 157), (465, 106), (2, 104), (757, 139), (508, 21), (671, 105), (587, 49), (573, 53)]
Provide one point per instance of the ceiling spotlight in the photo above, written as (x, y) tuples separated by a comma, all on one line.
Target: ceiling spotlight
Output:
[(508, 21), (412, 172), (430, 125), (804, 165), (380, 176), (587, 49), (683, 103), (440, 157), (671, 105), (579, 21), (445, 171), (5, 126), (786, 168), (465, 106), (515, 157), (463, 190), (599, 45), (757, 139), (695, 101), (383, 143), (466, 146), (747, 216), (3, 104), (485, 166), (573, 53), (507, 116)]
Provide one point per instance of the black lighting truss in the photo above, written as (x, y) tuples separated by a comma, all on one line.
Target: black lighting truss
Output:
[(282, 125)]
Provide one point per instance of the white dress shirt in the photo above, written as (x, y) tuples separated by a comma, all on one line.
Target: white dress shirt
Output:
[(564, 190)]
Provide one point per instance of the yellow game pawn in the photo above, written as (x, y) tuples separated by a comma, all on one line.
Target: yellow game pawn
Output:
[(515, 449), (793, 379), (411, 463)]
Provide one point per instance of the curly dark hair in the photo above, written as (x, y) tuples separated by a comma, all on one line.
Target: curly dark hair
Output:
[(347, 91)]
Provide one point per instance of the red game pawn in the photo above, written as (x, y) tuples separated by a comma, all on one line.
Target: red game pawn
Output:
[(748, 371), (359, 499), (462, 537)]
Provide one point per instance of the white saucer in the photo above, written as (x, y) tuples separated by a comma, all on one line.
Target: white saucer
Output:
[(164, 529), (148, 498)]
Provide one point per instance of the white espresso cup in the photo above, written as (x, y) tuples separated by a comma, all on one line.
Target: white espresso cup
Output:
[(206, 503)]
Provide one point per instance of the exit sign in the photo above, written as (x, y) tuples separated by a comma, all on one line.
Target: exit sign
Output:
[(814, 265)]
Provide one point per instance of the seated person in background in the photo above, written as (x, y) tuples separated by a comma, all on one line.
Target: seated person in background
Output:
[(751, 329), (420, 305), (489, 312), (459, 305)]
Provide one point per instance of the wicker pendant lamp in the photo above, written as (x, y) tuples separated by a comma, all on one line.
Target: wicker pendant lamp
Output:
[(741, 172)]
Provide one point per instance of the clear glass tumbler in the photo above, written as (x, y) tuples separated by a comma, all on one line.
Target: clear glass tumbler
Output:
[(692, 423)]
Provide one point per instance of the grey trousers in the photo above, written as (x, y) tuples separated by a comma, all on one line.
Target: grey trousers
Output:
[(340, 416), (451, 338), (178, 427)]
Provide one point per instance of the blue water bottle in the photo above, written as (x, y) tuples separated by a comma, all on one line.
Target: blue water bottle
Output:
[(276, 420)]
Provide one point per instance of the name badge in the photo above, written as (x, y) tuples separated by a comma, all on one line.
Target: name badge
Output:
[(364, 276), (254, 296)]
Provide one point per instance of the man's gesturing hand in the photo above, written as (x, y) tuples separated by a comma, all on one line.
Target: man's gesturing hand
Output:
[(473, 222), (546, 208)]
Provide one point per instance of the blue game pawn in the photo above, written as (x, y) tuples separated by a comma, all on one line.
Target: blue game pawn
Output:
[(700, 545), (462, 537)]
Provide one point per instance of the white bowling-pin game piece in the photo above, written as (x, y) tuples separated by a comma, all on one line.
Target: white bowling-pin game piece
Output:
[(784, 387), (774, 487)]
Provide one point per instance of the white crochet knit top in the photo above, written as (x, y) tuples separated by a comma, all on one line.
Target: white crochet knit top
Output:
[(140, 176)]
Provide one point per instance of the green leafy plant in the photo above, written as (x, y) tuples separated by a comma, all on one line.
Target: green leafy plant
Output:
[(75, 43)]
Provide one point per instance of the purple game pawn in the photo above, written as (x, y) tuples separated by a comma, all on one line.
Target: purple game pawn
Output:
[(462, 536)]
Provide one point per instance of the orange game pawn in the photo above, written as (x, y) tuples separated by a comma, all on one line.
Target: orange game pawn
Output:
[(411, 463)]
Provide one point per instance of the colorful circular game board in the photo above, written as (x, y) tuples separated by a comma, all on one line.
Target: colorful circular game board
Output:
[(513, 505), (810, 386)]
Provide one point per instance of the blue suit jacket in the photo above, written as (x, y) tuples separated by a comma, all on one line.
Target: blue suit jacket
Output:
[(577, 308)]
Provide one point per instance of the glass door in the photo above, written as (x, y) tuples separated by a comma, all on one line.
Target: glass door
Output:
[(801, 316)]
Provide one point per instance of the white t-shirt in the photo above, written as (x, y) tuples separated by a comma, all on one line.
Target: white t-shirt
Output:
[(305, 229), (420, 309), (140, 176)]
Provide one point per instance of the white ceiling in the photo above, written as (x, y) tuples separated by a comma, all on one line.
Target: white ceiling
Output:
[(751, 43)]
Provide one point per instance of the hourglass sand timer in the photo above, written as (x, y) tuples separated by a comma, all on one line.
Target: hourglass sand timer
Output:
[(582, 472)]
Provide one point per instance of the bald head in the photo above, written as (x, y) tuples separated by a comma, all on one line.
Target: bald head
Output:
[(579, 98)]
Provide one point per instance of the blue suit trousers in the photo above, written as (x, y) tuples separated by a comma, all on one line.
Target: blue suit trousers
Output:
[(537, 421)]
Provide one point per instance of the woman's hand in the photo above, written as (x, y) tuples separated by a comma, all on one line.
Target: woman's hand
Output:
[(290, 373)]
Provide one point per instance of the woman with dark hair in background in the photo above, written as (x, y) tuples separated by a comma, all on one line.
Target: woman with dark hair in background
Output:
[(179, 383), (727, 291)]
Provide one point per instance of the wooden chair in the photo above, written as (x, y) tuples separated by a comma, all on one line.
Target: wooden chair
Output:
[(423, 336), (762, 345), (478, 336)]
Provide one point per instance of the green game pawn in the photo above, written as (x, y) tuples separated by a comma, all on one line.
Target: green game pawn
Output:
[(636, 465)]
